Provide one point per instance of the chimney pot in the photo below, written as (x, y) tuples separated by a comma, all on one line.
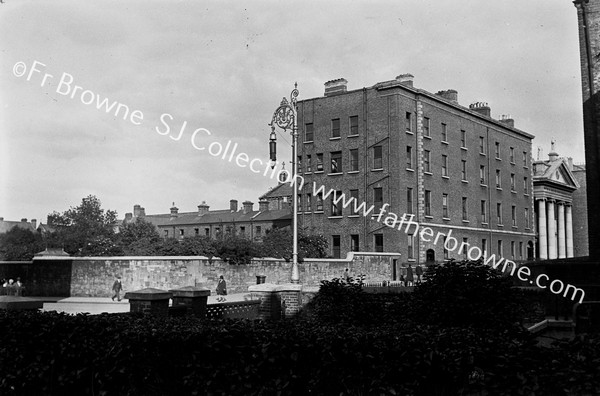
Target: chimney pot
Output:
[(174, 210), (336, 87), (507, 120), (34, 223), (203, 208), (449, 94), (247, 206), (481, 108), (263, 205), (233, 205)]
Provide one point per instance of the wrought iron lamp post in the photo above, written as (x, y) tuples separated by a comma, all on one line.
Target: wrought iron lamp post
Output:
[(286, 118)]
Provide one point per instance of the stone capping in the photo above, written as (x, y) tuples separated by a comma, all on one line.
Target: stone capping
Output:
[(190, 292), (350, 256), (273, 288), (148, 294)]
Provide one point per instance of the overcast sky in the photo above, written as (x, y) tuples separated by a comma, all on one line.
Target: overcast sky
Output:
[(224, 67)]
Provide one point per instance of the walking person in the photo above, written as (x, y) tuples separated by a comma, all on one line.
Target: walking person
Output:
[(117, 287), (419, 272), (221, 287), (409, 276)]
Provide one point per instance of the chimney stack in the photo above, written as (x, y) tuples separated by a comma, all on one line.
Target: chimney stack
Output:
[(449, 94), (233, 205), (128, 217), (142, 212), (507, 120), (263, 205), (34, 223), (247, 206), (570, 161), (336, 87), (24, 220), (174, 210), (203, 208), (481, 108), (553, 156), (405, 79), (136, 210)]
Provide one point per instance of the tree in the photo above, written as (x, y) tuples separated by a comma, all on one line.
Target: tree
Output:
[(278, 243), (137, 230), (20, 244)]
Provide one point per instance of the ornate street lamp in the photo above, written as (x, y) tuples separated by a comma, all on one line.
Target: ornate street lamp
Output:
[(286, 118)]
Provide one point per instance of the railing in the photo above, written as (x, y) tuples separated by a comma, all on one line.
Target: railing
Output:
[(233, 310), (12, 290), (385, 287)]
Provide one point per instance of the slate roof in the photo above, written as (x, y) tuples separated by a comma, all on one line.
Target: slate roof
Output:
[(6, 225), (217, 217), (282, 190), (544, 171)]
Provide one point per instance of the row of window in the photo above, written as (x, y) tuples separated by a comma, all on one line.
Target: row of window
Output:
[(217, 230), (335, 128)]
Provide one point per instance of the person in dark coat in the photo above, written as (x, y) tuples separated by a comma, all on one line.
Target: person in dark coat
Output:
[(117, 287), (221, 287), (419, 272), (409, 276)]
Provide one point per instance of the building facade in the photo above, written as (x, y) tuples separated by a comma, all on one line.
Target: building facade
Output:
[(455, 169), (580, 209)]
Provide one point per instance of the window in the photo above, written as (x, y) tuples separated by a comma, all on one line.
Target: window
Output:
[(484, 218), (353, 125), (499, 213), (378, 198), (320, 162), (308, 132), (445, 206), (500, 247), (207, 231), (336, 208), (319, 202), (481, 145), (299, 165), (427, 161), (526, 217), (242, 230), (408, 121), (463, 170), (181, 232), (513, 215), (463, 138), (308, 164), (524, 159), (444, 132), (446, 253), (166, 233), (354, 243), (482, 174), (511, 155), (258, 230), (512, 182), (309, 202), (444, 165), (498, 179), (513, 250), (411, 247), (335, 128), (409, 157), (197, 231), (335, 246), (354, 197), (427, 203), (465, 208), (299, 202), (354, 160), (521, 250), (336, 162), (218, 230), (525, 186), (426, 131), (497, 145), (464, 248), (378, 242), (377, 157), (409, 200), (484, 246)]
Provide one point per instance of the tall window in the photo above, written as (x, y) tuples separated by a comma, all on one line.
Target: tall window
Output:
[(308, 132), (426, 131), (408, 121), (299, 165), (526, 217), (427, 203), (525, 159), (465, 208), (497, 149), (258, 230), (336, 208), (378, 198), (409, 157), (444, 132), (464, 248), (335, 128), (481, 145), (446, 253), (320, 162), (377, 157), (511, 155), (498, 179), (445, 206), (482, 174), (525, 186), (499, 213), (513, 250), (463, 138), (354, 160), (336, 162), (354, 196), (500, 247), (353, 125), (308, 164), (354, 243), (521, 250), (379, 242), (207, 231), (409, 200), (335, 246), (512, 182), (484, 218), (197, 230), (444, 165), (484, 246), (427, 160), (513, 215), (308, 202), (463, 170), (319, 202), (411, 247)]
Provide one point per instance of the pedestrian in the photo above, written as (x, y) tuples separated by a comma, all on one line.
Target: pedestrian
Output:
[(19, 287), (419, 272), (117, 287), (221, 287), (409, 276), (347, 275)]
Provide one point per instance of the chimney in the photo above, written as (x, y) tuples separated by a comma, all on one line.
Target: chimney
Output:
[(247, 206), (136, 210), (24, 220), (174, 210), (507, 120), (203, 208), (128, 217), (405, 79), (1, 218), (34, 223), (481, 108), (336, 87), (233, 205), (449, 94), (553, 156), (263, 205), (142, 212), (570, 161)]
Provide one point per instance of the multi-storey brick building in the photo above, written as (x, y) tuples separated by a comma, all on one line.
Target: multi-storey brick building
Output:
[(452, 167)]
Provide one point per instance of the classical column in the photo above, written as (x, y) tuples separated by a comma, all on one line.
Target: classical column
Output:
[(542, 235), (551, 230), (569, 232), (562, 248)]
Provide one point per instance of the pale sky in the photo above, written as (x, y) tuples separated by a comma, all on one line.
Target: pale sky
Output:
[(224, 66)]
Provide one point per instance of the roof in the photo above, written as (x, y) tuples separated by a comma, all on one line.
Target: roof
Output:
[(555, 172), (6, 225), (53, 252), (282, 190), (217, 217)]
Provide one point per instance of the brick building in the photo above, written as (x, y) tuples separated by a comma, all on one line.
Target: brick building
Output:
[(455, 168), (580, 215), (6, 225)]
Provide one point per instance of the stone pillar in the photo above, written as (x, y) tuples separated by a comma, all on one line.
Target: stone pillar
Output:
[(569, 231), (562, 248), (277, 301), (192, 298), (542, 234), (551, 230), (149, 301)]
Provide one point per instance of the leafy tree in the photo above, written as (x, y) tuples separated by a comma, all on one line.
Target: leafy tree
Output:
[(278, 244), (236, 250), (198, 246), (20, 244), (136, 230)]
